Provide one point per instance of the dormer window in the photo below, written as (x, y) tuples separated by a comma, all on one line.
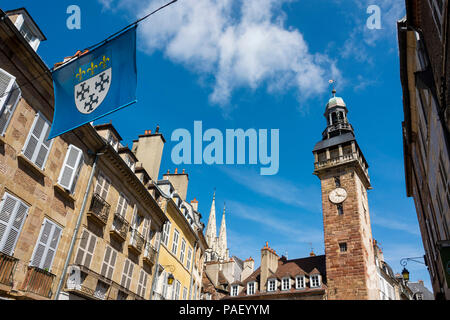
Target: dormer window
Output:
[(271, 285), (315, 281), (130, 162), (300, 282), (286, 283), (234, 290), (27, 27), (251, 288), (113, 141)]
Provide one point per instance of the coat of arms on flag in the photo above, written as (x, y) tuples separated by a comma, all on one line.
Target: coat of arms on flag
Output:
[(95, 84)]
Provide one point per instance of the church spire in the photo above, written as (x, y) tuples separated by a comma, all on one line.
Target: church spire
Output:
[(211, 230), (223, 246)]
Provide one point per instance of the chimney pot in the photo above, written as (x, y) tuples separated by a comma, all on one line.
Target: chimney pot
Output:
[(176, 170)]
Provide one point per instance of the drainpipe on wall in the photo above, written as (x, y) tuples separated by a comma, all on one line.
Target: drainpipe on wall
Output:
[(77, 227)]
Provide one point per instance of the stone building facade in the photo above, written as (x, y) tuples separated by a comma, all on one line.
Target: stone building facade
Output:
[(424, 70)]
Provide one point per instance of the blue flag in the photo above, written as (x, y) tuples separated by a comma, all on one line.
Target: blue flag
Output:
[(96, 84)]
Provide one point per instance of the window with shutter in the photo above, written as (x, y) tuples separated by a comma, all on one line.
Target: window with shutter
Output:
[(127, 274), (102, 186), (6, 84), (13, 213), (71, 168), (189, 258), (164, 284), (86, 249), (142, 284), (122, 206), (184, 293), (176, 234), (166, 233), (101, 290), (146, 228), (182, 250), (45, 249), (37, 148), (9, 107), (109, 262), (176, 291)]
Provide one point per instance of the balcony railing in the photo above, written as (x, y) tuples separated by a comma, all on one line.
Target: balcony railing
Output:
[(136, 241), (150, 254), (39, 281), (337, 126), (158, 296), (99, 209), (7, 267), (120, 227), (341, 159)]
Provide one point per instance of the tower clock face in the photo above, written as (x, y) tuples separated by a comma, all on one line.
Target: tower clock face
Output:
[(338, 195)]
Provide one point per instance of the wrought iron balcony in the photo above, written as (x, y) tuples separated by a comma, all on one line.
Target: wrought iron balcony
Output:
[(39, 281), (336, 127), (150, 254), (120, 227), (99, 209), (7, 267), (136, 241)]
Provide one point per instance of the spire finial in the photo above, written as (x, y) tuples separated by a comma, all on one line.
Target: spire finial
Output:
[(333, 82), (224, 207), (214, 196)]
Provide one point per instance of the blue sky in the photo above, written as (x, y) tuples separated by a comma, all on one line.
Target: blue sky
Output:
[(265, 65)]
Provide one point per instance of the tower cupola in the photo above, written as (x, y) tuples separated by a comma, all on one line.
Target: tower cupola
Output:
[(336, 115)]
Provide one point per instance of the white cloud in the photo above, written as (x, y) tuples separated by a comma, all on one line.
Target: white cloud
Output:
[(240, 44)]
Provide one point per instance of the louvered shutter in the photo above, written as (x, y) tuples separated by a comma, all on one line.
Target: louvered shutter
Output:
[(109, 263), (130, 274), (145, 228), (45, 249), (6, 83), (10, 106), (102, 186), (140, 283), (12, 216), (122, 205), (37, 147), (71, 164), (127, 274), (86, 249)]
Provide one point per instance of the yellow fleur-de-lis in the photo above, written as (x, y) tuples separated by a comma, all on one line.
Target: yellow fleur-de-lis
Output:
[(104, 62), (92, 68), (80, 74)]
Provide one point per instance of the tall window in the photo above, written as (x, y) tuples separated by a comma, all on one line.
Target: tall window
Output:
[(272, 285), (176, 235), (101, 290), (9, 97), (37, 148), (109, 261), (127, 274), (185, 291), (45, 249), (86, 249), (189, 259), (251, 288), (315, 281), (142, 284), (122, 205), (13, 213), (285, 283), (165, 234), (182, 250), (340, 209), (176, 291), (102, 186), (71, 168)]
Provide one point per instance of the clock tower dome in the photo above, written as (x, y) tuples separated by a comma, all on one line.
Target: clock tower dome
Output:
[(343, 171)]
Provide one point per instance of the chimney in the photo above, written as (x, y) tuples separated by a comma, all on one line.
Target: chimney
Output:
[(269, 263), (249, 268), (194, 204), (179, 181), (420, 282), (148, 149)]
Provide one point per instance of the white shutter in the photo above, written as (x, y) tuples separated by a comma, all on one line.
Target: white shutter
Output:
[(122, 206), (182, 250), (109, 262), (189, 258), (146, 229), (127, 274), (86, 249), (6, 83), (45, 249), (8, 110), (71, 165), (12, 216), (142, 284), (102, 186), (37, 147)]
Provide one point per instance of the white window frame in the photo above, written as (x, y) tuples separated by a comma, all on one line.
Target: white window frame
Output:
[(283, 283), (175, 240), (182, 250), (113, 141), (127, 274), (185, 293), (109, 263), (9, 225), (312, 281), (41, 140), (234, 290), (142, 284), (103, 188), (6, 105), (166, 233), (176, 290), (269, 282), (75, 169), (189, 258), (302, 280), (91, 238), (49, 246), (251, 288), (124, 207)]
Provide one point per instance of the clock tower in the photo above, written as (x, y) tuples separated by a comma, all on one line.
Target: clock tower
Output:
[(343, 171)]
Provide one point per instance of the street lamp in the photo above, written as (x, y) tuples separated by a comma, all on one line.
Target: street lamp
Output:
[(404, 262), (170, 279), (405, 274)]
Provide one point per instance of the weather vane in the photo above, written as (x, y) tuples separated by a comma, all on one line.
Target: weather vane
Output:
[(333, 83)]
